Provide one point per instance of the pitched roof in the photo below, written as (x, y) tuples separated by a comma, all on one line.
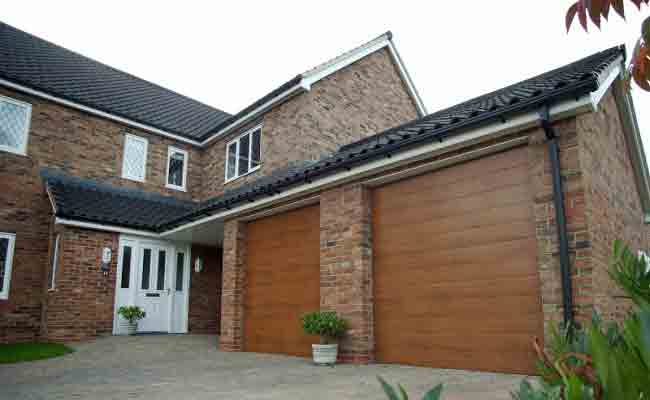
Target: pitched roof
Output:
[(89, 201), (570, 81), (40, 65), (304, 81)]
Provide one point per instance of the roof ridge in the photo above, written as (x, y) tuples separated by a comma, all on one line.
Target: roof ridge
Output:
[(104, 65), (384, 36)]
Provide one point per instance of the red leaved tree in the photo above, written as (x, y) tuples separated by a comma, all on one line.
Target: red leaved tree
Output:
[(597, 10)]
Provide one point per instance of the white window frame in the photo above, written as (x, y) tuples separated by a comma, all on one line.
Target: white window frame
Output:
[(4, 294), (55, 263), (127, 137), (250, 148), (186, 157), (22, 150)]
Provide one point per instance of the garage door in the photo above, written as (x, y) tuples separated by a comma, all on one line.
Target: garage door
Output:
[(283, 281), (456, 282)]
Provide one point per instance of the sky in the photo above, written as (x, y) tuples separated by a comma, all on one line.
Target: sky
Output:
[(228, 54)]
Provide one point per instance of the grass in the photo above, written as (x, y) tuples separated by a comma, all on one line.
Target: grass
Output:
[(13, 353)]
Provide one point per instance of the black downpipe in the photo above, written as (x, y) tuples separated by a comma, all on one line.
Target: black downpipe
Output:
[(560, 216)]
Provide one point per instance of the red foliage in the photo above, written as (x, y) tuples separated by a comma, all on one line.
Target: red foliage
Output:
[(597, 10)]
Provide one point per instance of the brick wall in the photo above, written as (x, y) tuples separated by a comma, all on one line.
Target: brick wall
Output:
[(346, 267), (234, 285), (548, 255), (80, 145), (601, 204), (81, 305), (613, 207), (24, 211), (364, 98), (205, 291)]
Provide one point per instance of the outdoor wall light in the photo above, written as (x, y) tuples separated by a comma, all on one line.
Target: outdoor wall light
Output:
[(198, 264), (107, 253)]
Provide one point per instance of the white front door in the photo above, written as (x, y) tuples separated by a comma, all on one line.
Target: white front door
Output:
[(153, 275), (153, 288)]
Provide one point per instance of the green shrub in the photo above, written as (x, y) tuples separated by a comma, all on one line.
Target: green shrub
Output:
[(400, 393), (131, 313), (326, 324), (603, 360)]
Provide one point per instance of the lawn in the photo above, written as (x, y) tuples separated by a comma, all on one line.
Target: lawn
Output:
[(13, 353)]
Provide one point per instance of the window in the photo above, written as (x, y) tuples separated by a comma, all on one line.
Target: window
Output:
[(180, 270), (14, 125), (176, 168), (126, 267), (55, 262), (243, 154), (146, 268), (134, 164), (160, 281), (7, 242)]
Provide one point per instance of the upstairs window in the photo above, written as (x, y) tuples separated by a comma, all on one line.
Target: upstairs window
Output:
[(134, 163), (14, 125), (243, 154), (7, 241), (176, 168)]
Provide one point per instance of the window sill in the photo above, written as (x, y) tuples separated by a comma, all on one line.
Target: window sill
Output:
[(227, 181), (13, 151), (179, 188), (133, 179)]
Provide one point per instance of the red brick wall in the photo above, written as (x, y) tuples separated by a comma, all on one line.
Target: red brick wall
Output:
[(346, 267), (362, 99), (205, 291), (81, 305), (81, 145), (234, 285), (601, 204), (91, 147), (24, 211), (613, 207), (548, 256)]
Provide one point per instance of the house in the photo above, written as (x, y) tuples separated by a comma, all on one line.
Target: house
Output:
[(447, 239)]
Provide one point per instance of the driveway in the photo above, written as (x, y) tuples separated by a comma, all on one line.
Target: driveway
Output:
[(190, 367)]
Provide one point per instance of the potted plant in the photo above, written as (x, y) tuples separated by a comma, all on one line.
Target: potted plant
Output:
[(131, 314), (330, 327)]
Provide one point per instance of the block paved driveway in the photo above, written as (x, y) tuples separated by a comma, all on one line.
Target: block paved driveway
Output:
[(165, 367)]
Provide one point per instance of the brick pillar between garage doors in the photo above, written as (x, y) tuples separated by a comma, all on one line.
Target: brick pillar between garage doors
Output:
[(346, 267), (232, 291)]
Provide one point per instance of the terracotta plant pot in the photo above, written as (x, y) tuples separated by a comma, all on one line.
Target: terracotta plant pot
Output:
[(325, 354)]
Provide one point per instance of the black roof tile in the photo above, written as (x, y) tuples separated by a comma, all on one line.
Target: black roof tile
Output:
[(44, 66), (87, 200)]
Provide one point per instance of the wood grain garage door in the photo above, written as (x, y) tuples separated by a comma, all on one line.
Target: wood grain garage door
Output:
[(456, 282), (283, 281)]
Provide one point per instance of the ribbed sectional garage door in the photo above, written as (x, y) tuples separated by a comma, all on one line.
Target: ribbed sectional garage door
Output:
[(456, 282), (283, 281)]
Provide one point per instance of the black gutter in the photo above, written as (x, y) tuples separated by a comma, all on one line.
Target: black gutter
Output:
[(560, 216), (338, 162)]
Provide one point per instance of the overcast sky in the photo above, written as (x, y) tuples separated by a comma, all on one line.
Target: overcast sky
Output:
[(230, 55)]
